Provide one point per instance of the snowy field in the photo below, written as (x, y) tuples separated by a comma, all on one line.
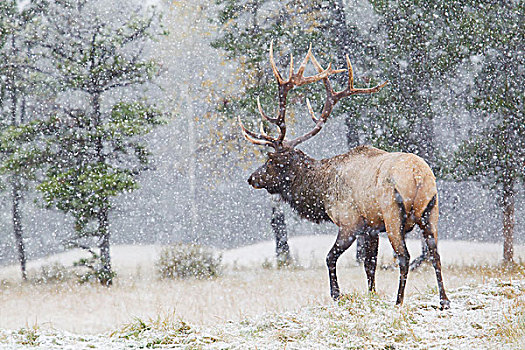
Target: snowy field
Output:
[(255, 307)]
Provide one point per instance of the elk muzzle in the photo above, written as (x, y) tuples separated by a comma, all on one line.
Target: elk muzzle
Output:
[(255, 181), (258, 178)]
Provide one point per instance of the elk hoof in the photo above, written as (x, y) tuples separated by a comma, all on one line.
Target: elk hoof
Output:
[(336, 295), (445, 304)]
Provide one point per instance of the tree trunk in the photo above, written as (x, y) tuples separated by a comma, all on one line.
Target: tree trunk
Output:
[(105, 274), (192, 163), (352, 131), (339, 28), (17, 225), (508, 221), (16, 181), (282, 250)]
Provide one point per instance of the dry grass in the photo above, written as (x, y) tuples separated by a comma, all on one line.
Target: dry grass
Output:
[(159, 331), (29, 336), (512, 270), (512, 328), (234, 296), (484, 316), (243, 291)]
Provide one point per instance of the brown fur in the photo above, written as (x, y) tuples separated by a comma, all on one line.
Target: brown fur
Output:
[(306, 188)]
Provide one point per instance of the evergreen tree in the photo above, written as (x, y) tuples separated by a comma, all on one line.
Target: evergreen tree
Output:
[(420, 49), (247, 27), (495, 152), (17, 86), (90, 147)]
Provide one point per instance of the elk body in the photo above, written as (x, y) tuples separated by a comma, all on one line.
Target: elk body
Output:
[(364, 191)]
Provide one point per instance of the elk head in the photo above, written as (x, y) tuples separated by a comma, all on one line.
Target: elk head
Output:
[(276, 173)]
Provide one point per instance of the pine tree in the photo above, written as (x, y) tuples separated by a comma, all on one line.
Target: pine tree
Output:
[(17, 86), (495, 152), (418, 52), (246, 31), (90, 147)]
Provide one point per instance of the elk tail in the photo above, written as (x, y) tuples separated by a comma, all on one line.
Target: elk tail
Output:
[(426, 213)]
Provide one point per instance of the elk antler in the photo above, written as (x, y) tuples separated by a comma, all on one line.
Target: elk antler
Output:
[(298, 79), (294, 79), (331, 99)]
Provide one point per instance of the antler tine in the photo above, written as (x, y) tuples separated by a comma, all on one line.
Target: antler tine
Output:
[(316, 64), (350, 90), (258, 139), (328, 71), (261, 129), (350, 73), (297, 79), (302, 67), (279, 121), (323, 74), (312, 114), (320, 68), (274, 67), (254, 141), (265, 117)]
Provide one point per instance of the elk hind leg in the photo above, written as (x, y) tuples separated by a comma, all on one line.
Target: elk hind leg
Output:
[(344, 240), (395, 217), (371, 245), (429, 226)]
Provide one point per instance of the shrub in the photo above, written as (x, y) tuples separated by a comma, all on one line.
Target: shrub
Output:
[(52, 273), (188, 260), (93, 271)]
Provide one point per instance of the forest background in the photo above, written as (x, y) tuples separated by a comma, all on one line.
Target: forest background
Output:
[(119, 123)]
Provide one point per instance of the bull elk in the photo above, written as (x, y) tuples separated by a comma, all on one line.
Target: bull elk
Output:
[(364, 191)]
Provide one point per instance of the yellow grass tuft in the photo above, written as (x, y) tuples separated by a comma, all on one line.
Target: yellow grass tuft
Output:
[(502, 270), (29, 336), (512, 328)]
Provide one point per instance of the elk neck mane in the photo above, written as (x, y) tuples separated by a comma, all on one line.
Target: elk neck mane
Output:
[(308, 183)]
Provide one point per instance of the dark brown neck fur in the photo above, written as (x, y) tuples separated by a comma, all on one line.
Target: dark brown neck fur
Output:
[(304, 190)]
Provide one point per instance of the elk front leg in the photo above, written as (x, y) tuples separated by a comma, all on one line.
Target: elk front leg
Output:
[(345, 238), (371, 244)]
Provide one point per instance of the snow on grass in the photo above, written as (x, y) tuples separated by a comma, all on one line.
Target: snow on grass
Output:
[(485, 316), (250, 306)]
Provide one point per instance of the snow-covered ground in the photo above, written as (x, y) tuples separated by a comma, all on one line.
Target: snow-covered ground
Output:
[(309, 251), (250, 306), (487, 316)]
